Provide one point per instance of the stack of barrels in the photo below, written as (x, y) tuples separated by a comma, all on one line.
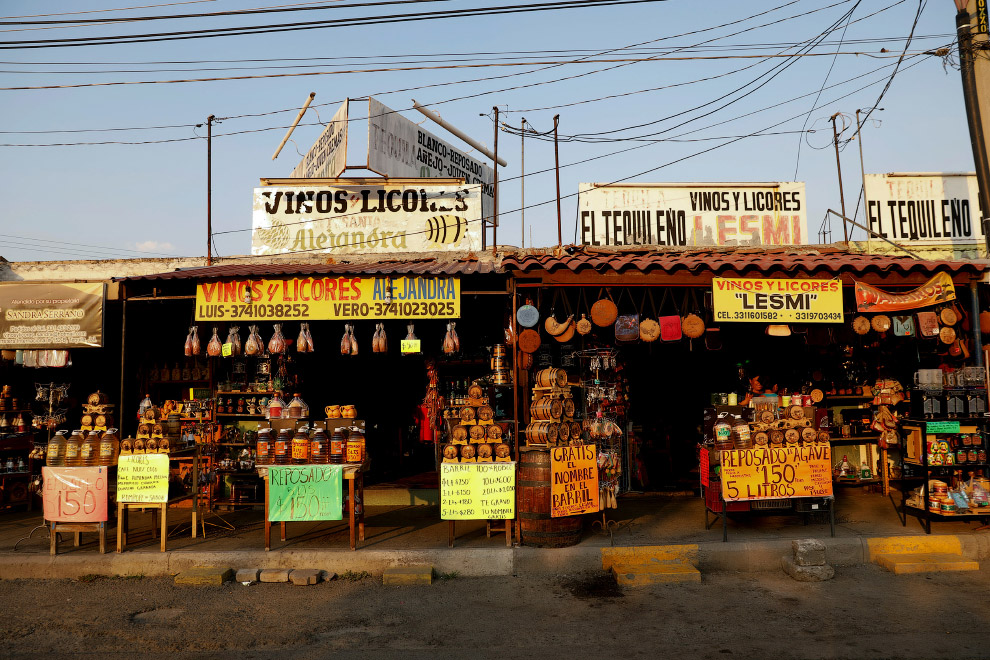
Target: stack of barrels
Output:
[(552, 411)]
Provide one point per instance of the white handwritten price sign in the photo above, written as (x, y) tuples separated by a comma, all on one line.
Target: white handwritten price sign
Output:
[(75, 494), (142, 478), (776, 472), (477, 491)]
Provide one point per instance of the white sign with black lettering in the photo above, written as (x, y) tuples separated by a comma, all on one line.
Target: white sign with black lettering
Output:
[(327, 157), (924, 209), (398, 147), (692, 214)]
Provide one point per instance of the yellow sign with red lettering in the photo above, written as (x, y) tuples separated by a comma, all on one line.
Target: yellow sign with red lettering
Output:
[(329, 298), (785, 300), (765, 473)]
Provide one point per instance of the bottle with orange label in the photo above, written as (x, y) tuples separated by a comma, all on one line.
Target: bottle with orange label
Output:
[(264, 447), (282, 443), (319, 447), (72, 447), (355, 447), (300, 447)]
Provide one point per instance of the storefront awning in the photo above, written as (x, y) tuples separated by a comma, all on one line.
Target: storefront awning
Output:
[(715, 261)]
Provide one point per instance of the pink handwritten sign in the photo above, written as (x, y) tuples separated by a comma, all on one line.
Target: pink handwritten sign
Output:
[(75, 494)]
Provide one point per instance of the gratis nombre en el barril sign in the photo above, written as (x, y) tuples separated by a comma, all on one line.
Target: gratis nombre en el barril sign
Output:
[(573, 480), (327, 298), (765, 473), (309, 492), (477, 491), (785, 300)]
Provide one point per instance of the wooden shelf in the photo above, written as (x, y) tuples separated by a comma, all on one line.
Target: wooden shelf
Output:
[(243, 416)]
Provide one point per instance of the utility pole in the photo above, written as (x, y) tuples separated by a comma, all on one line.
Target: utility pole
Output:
[(495, 190), (209, 190), (522, 183), (967, 69), (556, 165), (838, 167)]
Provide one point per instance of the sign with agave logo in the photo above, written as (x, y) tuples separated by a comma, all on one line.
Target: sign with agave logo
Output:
[(374, 218)]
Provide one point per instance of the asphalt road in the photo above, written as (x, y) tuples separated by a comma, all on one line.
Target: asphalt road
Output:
[(863, 613)]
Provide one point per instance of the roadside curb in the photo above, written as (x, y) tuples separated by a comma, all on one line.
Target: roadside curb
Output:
[(714, 556)]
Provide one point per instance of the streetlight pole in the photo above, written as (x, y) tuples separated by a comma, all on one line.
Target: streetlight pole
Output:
[(971, 98)]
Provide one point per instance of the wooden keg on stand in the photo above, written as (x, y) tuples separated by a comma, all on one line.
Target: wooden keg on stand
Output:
[(546, 409), (536, 527), (550, 377)]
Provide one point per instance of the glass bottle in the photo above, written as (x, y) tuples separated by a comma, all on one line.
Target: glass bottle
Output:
[(145, 404), (55, 455), (355, 447), (282, 443), (264, 447), (337, 447), (72, 446), (275, 406), (300, 447), (319, 449), (296, 406), (89, 450)]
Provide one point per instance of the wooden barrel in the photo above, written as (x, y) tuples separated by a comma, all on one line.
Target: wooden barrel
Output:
[(576, 430), (494, 432), (546, 409), (541, 433), (568, 407), (563, 433), (550, 377), (536, 526)]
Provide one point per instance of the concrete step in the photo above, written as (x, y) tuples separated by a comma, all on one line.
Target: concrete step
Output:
[(934, 562), (639, 575), (649, 555), (399, 576)]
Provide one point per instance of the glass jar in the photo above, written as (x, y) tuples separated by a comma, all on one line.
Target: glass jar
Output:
[(355, 447), (337, 442), (319, 449), (282, 443), (109, 448), (300, 447)]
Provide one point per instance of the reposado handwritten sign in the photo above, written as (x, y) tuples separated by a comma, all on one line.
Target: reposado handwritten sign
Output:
[(776, 472), (311, 492), (573, 480), (142, 478), (477, 491), (75, 494)]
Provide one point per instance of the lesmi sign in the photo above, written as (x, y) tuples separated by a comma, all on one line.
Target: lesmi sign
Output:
[(924, 209), (692, 214)]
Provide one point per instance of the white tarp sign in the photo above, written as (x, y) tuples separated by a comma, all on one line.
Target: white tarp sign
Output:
[(924, 209), (328, 155), (369, 218), (693, 214), (398, 147)]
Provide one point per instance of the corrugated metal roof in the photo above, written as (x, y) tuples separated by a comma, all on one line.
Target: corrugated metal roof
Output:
[(424, 266), (811, 260)]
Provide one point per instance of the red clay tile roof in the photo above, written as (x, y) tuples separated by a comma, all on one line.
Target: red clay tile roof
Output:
[(810, 260)]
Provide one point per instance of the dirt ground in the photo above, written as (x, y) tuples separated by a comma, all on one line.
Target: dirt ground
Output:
[(863, 613)]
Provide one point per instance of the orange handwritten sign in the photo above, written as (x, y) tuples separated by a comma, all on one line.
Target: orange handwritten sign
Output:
[(75, 494), (573, 480)]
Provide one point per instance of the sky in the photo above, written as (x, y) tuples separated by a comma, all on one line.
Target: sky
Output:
[(716, 92)]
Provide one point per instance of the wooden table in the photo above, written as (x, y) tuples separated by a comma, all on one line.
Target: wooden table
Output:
[(353, 474), (77, 529), (157, 509)]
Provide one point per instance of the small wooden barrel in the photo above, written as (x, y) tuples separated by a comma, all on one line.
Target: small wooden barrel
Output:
[(550, 377), (546, 409), (494, 432), (541, 433), (485, 413), (459, 433), (499, 350), (795, 412), (563, 433), (792, 436), (568, 407), (467, 414), (475, 392), (809, 434), (536, 526), (576, 430), (824, 436), (467, 451), (776, 437), (477, 433)]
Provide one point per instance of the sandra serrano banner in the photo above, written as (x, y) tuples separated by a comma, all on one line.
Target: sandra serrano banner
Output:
[(363, 219), (692, 214)]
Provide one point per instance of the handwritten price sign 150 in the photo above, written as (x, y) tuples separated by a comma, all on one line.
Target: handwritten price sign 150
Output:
[(75, 494)]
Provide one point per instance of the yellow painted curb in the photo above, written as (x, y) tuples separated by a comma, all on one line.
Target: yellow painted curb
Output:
[(636, 576), (880, 545), (407, 575), (647, 555), (906, 563)]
